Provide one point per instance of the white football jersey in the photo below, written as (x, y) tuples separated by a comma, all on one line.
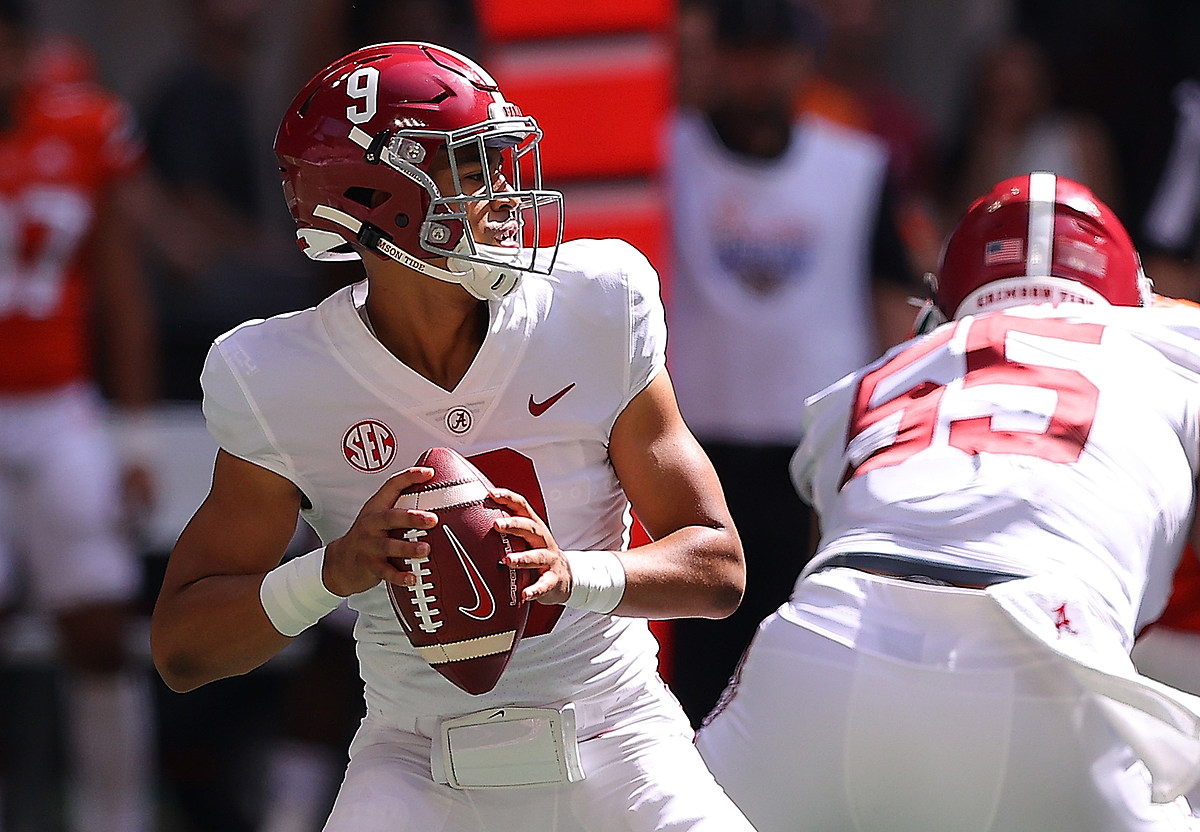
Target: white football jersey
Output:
[(1037, 440), (314, 397)]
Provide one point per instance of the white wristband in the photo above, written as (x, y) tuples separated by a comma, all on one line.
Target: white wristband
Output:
[(597, 581), (294, 596)]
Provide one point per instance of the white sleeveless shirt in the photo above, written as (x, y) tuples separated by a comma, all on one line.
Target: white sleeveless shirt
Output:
[(770, 294)]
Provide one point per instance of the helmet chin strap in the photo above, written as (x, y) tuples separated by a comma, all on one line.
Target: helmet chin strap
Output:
[(482, 280)]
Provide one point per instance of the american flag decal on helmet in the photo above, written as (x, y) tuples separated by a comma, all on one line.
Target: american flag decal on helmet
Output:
[(998, 252)]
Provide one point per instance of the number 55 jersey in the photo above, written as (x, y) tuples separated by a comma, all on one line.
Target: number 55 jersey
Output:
[(1042, 439)]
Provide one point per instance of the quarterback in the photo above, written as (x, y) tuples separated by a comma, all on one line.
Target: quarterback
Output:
[(541, 362)]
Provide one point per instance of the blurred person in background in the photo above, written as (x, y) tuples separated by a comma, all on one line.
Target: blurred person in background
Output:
[(1170, 231), (789, 272), (223, 248), (74, 315), (223, 251), (856, 59), (1013, 122)]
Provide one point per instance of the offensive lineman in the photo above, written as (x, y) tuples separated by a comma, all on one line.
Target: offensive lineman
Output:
[(544, 365), (1002, 502)]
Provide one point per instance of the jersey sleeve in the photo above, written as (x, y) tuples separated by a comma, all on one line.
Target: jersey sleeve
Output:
[(648, 327), (231, 417), (822, 433)]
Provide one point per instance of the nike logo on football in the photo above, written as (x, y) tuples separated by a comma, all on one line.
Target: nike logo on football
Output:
[(538, 408), (485, 605)]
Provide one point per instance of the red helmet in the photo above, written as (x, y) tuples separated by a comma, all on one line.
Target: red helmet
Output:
[(355, 151), (1038, 238)]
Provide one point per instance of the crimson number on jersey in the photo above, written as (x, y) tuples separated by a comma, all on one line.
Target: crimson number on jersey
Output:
[(975, 397)]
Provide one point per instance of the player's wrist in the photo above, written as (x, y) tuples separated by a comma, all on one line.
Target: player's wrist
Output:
[(294, 595), (332, 574), (597, 580)]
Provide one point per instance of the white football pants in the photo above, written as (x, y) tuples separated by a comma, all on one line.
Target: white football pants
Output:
[(643, 775), (871, 704)]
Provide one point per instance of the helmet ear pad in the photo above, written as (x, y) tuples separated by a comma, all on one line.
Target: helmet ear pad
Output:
[(1038, 238)]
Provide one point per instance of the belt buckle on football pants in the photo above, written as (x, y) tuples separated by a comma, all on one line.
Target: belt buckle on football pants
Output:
[(507, 747)]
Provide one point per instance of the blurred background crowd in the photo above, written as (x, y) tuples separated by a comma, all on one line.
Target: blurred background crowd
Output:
[(789, 166)]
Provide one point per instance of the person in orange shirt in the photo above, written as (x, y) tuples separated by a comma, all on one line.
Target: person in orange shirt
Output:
[(69, 271)]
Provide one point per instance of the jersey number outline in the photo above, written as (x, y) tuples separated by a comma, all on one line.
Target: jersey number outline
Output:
[(916, 408), (40, 233)]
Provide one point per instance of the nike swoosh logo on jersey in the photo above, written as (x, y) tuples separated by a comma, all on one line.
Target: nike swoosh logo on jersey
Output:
[(485, 605), (538, 408)]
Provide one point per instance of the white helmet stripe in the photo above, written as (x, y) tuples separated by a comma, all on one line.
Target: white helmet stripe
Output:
[(1042, 187), (343, 219), (360, 137)]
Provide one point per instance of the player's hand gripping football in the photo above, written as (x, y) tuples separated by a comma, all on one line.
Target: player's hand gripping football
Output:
[(553, 584), (361, 558)]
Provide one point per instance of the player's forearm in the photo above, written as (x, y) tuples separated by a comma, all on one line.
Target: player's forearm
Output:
[(695, 572), (212, 629)]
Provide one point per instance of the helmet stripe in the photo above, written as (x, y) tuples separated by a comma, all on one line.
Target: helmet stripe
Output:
[(1042, 187)]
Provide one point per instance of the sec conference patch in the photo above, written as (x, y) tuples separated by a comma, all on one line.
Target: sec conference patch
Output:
[(369, 445)]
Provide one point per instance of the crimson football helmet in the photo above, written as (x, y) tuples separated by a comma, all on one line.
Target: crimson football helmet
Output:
[(1038, 238), (357, 146)]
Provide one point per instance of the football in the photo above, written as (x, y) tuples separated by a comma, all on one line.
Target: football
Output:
[(464, 616)]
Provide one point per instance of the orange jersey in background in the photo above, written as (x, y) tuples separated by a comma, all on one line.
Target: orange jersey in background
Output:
[(67, 146)]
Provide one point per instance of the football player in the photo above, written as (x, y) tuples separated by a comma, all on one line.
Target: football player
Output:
[(69, 271), (541, 362), (1003, 501)]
